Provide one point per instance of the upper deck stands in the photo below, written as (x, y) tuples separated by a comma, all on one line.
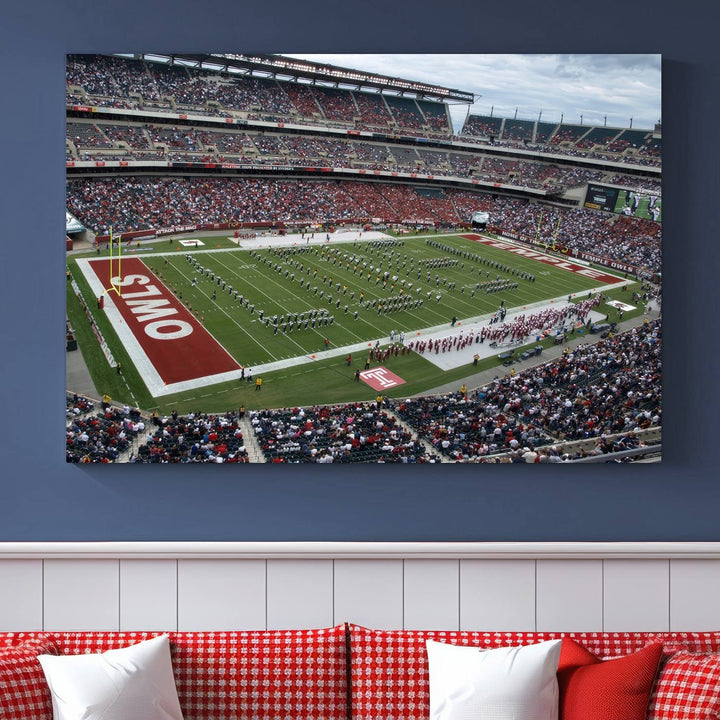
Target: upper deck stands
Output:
[(249, 94), (597, 136), (436, 116), (627, 139), (107, 81), (336, 104), (482, 126), (544, 131), (518, 130), (568, 134), (652, 147), (104, 76), (303, 99), (373, 110), (405, 112)]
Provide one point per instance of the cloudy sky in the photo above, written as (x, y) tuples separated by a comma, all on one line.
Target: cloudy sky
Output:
[(618, 87)]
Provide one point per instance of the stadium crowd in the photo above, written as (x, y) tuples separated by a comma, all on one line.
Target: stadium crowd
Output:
[(152, 202), (356, 432), (594, 390), (630, 240), (128, 82), (142, 203), (112, 141), (99, 437), (614, 144), (125, 82), (604, 392), (194, 438)]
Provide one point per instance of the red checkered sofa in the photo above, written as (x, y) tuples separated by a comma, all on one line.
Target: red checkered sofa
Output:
[(389, 676), (234, 675), (344, 672)]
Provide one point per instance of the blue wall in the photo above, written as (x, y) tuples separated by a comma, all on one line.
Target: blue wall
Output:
[(43, 499)]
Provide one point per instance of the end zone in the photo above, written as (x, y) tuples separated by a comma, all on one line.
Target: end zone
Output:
[(562, 263), (170, 348)]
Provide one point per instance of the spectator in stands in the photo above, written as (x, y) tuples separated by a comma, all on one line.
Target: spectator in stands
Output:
[(195, 438), (356, 432), (612, 387)]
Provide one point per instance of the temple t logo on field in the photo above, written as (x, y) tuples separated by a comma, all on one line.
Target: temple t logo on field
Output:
[(380, 378)]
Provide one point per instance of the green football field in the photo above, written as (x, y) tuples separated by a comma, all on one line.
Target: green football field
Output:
[(369, 289)]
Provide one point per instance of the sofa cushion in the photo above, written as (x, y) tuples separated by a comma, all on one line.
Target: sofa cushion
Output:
[(134, 681), (498, 684), (687, 687), (243, 675), (692, 642), (274, 675), (24, 693), (389, 670), (592, 689)]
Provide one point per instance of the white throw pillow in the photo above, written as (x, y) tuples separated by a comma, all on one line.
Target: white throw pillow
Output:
[(135, 682), (512, 683)]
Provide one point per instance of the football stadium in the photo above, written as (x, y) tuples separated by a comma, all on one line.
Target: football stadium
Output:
[(277, 260)]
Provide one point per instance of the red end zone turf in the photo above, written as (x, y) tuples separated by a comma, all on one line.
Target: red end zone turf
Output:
[(562, 263), (157, 330)]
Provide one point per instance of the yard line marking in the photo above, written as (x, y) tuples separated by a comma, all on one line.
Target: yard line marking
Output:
[(284, 308)]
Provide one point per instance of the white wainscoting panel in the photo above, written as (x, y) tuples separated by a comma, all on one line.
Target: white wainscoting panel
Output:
[(497, 595), (148, 595), (569, 595), (473, 586), (21, 595), (221, 595), (694, 594), (369, 593), (299, 594), (431, 594), (82, 594), (636, 595)]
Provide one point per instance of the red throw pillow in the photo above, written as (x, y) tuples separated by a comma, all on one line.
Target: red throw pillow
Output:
[(615, 689), (24, 692), (688, 686)]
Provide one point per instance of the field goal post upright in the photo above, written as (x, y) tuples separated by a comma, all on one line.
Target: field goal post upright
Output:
[(117, 288)]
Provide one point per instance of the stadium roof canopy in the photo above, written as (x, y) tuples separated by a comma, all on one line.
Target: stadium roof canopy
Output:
[(281, 66)]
